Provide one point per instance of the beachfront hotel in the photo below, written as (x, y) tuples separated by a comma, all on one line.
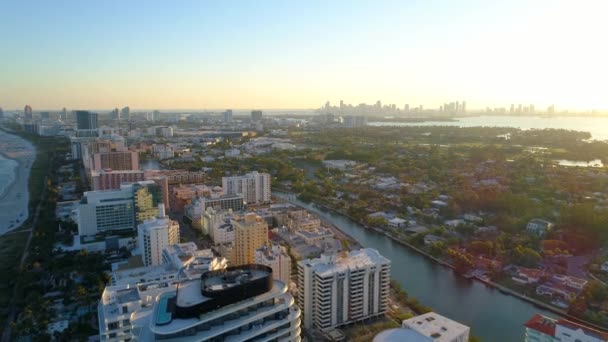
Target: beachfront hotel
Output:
[(118, 210), (335, 290), (136, 289), (241, 303)]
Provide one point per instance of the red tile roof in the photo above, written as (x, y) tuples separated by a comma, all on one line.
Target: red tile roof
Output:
[(543, 324)]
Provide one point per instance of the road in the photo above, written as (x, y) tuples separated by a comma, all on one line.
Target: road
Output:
[(12, 311)]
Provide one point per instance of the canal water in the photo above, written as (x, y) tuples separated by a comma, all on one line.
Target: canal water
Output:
[(492, 315)]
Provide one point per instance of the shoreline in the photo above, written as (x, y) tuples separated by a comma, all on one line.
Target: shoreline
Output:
[(14, 200), (501, 288)]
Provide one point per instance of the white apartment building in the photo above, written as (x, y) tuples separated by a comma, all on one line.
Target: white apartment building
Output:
[(134, 292), (438, 328), (275, 257), (156, 234), (107, 210), (241, 303), (162, 151), (334, 290), (254, 186)]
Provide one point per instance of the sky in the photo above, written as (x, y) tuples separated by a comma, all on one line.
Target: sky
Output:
[(300, 54)]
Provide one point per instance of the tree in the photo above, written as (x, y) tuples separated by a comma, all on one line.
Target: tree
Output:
[(525, 256)]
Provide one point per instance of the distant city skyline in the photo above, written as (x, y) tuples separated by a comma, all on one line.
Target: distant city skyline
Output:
[(286, 55)]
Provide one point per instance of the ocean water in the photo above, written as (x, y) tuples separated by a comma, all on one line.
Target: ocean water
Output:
[(597, 126), (8, 168)]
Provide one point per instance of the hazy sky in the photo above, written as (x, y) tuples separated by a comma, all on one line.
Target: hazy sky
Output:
[(299, 54)]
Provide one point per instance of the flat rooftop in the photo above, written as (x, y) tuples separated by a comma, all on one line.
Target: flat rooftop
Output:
[(439, 328), (337, 263)]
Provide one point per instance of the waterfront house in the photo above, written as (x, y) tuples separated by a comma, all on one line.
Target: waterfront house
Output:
[(430, 239), (539, 227), (396, 222), (528, 275)]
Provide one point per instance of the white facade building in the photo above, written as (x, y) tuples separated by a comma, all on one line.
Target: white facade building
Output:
[(254, 186), (237, 304), (438, 328), (107, 210), (275, 257), (336, 290), (154, 235), (134, 292), (163, 151)]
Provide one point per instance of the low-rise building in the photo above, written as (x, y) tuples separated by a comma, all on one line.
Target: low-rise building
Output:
[(438, 328)]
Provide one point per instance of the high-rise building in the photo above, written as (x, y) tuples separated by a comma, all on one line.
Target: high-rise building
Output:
[(115, 114), (119, 160), (147, 196), (1, 113), (113, 210), (133, 292), (241, 303), (111, 179), (154, 235), (228, 116), (86, 120), (28, 113), (544, 329), (64, 114), (156, 115), (355, 121), (275, 257), (102, 211), (254, 186), (250, 233), (125, 113), (256, 115), (335, 290)]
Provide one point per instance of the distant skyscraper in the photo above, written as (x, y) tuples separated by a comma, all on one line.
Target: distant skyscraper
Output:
[(531, 108), (256, 115), (156, 115), (115, 114), (1, 113), (86, 120), (228, 116), (406, 107), (464, 106), (519, 108), (27, 110), (551, 109), (126, 113), (64, 114), (512, 108)]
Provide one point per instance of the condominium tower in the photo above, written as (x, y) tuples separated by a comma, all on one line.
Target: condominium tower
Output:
[(340, 289), (254, 186)]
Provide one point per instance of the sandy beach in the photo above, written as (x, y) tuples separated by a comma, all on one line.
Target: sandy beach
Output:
[(14, 198)]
